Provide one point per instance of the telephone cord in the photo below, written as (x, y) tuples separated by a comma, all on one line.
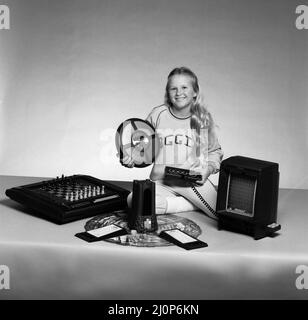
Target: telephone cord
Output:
[(213, 212)]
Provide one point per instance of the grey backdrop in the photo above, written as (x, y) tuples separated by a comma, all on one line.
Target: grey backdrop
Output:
[(71, 71)]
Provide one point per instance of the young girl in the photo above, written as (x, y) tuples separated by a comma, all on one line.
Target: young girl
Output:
[(187, 140)]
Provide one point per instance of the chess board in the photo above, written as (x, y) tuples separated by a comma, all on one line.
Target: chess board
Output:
[(74, 189), (68, 198), (165, 222)]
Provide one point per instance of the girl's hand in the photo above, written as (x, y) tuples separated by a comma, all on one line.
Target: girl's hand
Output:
[(203, 172), (127, 161)]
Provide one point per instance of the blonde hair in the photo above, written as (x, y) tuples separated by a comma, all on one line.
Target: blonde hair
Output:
[(201, 118)]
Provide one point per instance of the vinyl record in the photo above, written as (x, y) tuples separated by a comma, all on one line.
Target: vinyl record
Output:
[(137, 139)]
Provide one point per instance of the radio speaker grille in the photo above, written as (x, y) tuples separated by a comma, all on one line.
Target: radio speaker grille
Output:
[(241, 193)]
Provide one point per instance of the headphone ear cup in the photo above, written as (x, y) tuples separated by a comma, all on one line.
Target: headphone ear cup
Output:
[(137, 139)]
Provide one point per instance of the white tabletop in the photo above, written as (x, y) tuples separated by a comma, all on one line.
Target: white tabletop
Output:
[(47, 261)]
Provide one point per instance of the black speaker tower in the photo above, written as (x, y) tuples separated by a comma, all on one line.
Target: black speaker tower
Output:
[(247, 196), (142, 215)]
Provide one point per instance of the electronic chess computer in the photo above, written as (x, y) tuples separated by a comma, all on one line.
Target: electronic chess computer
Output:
[(70, 198)]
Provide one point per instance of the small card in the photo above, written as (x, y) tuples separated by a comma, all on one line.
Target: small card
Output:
[(180, 236), (102, 233), (182, 239)]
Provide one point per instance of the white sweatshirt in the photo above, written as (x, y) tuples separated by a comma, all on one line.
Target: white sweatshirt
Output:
[(178, 144)]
